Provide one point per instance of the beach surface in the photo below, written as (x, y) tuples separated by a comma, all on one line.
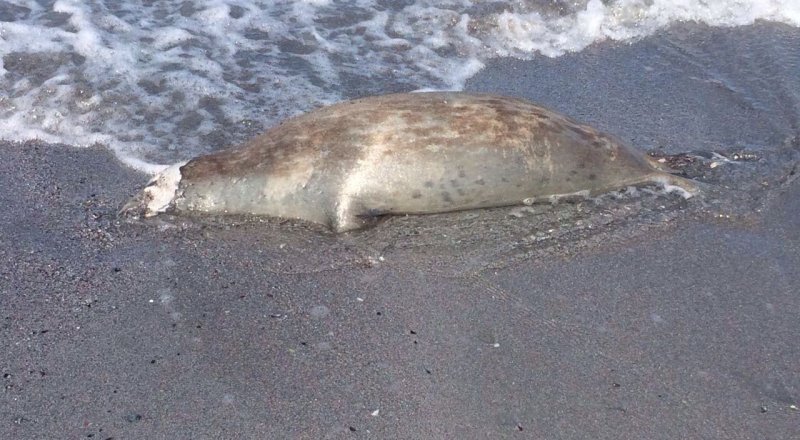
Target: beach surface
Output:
[(179, 328)]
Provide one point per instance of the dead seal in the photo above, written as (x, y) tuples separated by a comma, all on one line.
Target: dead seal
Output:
[(412, 153)]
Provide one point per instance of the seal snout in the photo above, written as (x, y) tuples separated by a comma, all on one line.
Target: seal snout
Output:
[(157, 196)]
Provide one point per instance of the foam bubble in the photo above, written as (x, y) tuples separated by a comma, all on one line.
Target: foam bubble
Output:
[(169, 37)]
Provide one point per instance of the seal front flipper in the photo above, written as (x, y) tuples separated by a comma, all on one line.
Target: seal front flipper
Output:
[(351, 215)]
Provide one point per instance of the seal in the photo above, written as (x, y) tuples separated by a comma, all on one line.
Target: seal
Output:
[(409, 153)]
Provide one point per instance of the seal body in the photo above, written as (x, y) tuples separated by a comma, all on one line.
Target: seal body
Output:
[(411, 153)]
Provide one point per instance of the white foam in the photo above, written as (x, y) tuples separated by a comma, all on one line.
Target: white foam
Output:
[(668, 184), (521, 34), (141, 165), (170, 36), (670, 188), (165, 81)]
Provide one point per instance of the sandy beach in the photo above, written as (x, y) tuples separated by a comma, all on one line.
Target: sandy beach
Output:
[(684, 328)]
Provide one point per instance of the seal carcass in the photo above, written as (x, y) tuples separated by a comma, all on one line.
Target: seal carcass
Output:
[(412, 153)]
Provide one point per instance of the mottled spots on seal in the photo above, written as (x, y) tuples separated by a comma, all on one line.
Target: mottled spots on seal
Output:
[(337, 165), (549, 128), (542, 115), (412, 118)]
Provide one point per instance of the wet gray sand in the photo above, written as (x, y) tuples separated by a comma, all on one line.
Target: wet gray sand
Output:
[(662, 327)]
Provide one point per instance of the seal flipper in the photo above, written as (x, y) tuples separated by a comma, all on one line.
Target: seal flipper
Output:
[(353, 223), (351, 215)]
